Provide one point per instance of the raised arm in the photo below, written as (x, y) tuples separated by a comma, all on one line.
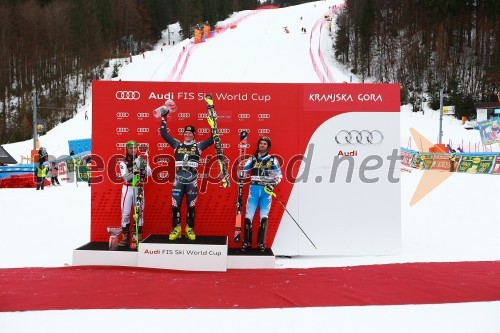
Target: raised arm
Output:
[(167, 137)]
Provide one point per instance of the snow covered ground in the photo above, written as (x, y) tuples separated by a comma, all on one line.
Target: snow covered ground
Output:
[(455, 222)]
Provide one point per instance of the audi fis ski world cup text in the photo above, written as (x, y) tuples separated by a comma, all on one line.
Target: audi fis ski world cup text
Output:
[(132, 95), (184, 252), (192, 96)]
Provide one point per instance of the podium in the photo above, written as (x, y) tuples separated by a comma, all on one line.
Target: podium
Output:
[(206, 253)]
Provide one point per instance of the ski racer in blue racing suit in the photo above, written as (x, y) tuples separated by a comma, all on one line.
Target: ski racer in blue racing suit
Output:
[(187, 156), (265, 175)]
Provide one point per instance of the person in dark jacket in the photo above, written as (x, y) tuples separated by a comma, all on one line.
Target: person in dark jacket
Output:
[(187, 155)]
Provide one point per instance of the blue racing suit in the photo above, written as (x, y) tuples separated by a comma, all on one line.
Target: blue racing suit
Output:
[(264, 170)]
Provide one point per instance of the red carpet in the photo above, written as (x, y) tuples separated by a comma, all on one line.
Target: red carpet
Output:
[(133, 288)]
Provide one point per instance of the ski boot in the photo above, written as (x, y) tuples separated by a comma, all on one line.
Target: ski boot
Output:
[(261, 237), (175, 233), (190, 233), (125, 238), (247, 236)]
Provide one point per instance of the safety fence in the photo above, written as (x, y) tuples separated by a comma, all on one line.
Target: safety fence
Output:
[(318, 71), (327, 18), (483, 163)]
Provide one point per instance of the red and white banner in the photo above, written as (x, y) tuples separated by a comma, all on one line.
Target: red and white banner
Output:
[(442, 162), (303, 122), (495, 170)]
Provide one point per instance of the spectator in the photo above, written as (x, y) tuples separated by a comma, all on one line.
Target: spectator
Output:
[(42, 155), (54, 171), (453, 158), (87, 161), (40, 174)]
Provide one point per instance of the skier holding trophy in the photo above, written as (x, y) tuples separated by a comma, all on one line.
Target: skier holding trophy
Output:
[(187, 155)]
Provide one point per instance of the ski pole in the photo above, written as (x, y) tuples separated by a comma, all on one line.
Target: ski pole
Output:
[(75, 166), (286, 210), (136, 214)]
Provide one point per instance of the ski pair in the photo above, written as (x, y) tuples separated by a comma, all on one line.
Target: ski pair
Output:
[(139, 198), (241, 172), (212, 121)]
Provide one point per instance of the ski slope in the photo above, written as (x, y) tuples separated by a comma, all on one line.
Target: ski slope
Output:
[(455, 222)]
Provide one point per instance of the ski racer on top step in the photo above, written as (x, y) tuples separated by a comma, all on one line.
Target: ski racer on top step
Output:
[(187, 156)]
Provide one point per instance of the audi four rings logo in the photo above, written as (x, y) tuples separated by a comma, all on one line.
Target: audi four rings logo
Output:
[(162, 160), (243, 129), (121, 130), (202, 115), (128, 95), (264, 131), (203, 130), (142, 130), (183, 115), (225, 145), (163, 145), (224, 130), (264, 116), (142, 115), (121, 114), (362, 137), (243, 116)]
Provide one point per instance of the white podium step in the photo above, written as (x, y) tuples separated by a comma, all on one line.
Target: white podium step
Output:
[(206, 253), (98, 254)]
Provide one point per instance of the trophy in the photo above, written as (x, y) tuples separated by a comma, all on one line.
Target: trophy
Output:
[(165, 109), (114, 232)]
